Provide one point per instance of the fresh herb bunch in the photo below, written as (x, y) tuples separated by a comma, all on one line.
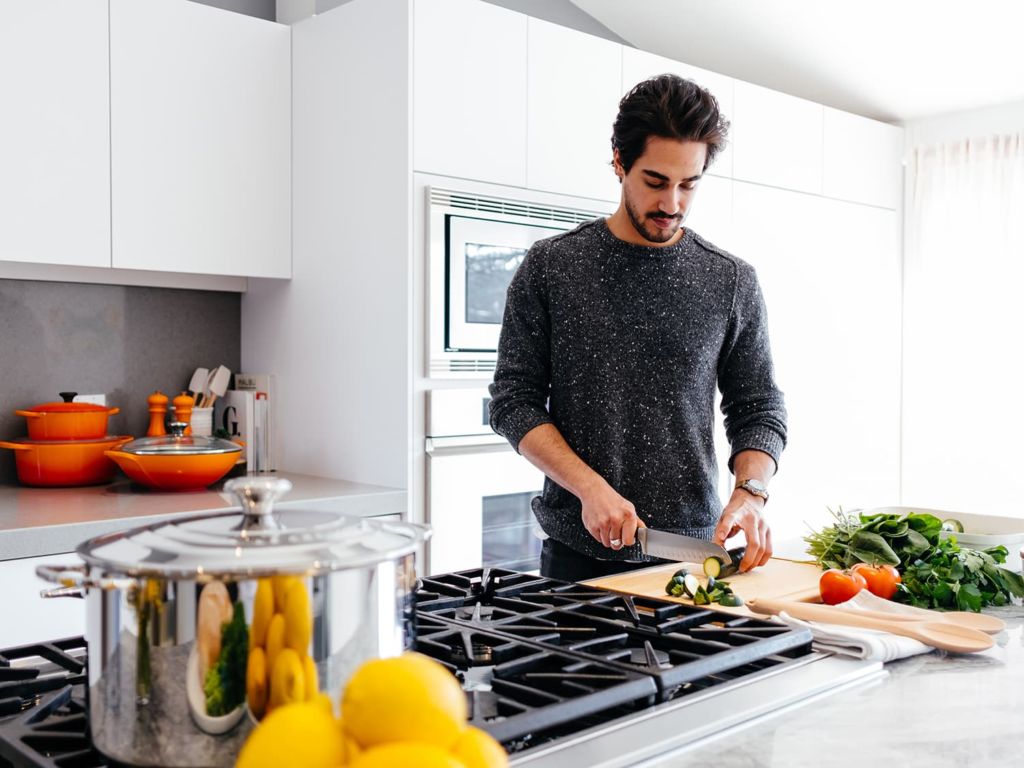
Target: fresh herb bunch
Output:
[(937, 572), (224, 685)]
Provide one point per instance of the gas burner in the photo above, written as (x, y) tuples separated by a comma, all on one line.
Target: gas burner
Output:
[(475, 613), (648, 657)]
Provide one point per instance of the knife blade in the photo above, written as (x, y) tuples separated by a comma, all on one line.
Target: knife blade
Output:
[(675, 546)]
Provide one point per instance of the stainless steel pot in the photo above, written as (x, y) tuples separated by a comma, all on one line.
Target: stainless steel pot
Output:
[(166, 605)]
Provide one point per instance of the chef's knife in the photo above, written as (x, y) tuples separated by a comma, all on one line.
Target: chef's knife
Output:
[(675, 546)]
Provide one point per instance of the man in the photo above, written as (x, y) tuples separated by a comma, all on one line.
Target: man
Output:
[(613, 340)]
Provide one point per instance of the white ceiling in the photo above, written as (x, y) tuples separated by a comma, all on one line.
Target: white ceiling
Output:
[(892, 60)]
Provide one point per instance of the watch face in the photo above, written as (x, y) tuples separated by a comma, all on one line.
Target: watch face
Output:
[(756, 485)]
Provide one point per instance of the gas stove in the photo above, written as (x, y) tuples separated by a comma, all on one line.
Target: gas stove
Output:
[(559, 673)]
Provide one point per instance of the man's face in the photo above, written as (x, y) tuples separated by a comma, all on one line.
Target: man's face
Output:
[(659, 188)]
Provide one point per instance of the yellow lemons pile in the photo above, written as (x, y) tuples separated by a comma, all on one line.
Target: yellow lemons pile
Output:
[(396, 713), (280, 670)]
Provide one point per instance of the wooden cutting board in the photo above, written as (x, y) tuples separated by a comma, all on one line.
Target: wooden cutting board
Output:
[(776, 578)]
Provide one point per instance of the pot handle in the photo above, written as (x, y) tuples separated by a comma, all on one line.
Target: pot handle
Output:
[(72, 577), (29, 414), (62, 592), (15, 446), (113, 411)]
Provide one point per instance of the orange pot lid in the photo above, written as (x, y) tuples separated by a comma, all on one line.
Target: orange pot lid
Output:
[(108, 439), (68, 408)]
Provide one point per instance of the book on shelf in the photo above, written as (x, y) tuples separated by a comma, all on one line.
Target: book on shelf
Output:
[(247, 413)]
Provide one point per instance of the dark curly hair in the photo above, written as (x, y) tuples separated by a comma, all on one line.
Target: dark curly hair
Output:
[(671, 107)]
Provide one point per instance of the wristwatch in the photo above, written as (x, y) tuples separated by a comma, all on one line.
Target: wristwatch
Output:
[(756, 487)]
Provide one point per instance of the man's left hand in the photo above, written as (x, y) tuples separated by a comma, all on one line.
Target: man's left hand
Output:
[(745, 512)]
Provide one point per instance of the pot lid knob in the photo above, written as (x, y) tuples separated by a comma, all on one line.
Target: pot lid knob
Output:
[(178, 428), (256, 496), (68, 396)]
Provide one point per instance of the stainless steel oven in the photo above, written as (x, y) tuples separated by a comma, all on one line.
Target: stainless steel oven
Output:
[(478, 489), (475, 243)]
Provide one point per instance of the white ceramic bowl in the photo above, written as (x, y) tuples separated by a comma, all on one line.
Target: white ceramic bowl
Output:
[(197, 702)]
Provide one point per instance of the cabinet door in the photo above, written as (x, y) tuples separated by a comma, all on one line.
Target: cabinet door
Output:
[(200, 119), (55, 135), (862, 159), (777, 139), (470, 91), (573, 97), (35, 619), (830, 275), (639, 65)]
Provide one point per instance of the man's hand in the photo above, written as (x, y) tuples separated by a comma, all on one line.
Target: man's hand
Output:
[(610, 518), (744, 512)]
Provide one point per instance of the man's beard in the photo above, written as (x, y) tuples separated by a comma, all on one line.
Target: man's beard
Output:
[(649, 231)]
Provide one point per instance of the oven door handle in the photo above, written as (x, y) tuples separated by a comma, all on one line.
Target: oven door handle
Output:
[(466, 443)]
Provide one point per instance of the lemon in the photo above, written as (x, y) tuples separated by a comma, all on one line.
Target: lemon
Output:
[(280, 585), (256, 681), (275, 639), (287, 680), (262, 612), (478, 749), (309, 678), (406, 754), (294, 736), (298, 618), (408, 698), (352, 748)]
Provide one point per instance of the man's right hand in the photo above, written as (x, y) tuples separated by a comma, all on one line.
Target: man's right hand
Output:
[(610, 518)]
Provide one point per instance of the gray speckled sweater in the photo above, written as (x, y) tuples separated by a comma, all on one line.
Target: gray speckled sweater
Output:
[(621, 347)]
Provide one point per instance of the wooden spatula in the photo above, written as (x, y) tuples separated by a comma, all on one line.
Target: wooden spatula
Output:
[(937, 634)]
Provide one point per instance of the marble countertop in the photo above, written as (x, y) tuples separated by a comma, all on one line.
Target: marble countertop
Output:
[(47, 521), (932, 710)]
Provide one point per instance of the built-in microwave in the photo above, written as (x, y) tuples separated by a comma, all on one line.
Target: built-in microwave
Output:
[(475, 243)]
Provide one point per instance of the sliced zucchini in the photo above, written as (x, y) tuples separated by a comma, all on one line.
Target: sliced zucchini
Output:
[(711, 584), (730, 600), (701, 597), (953, 526), (712, 567), (677, 590), (691, 585), (668, 587), (736, 555), (680, 573)]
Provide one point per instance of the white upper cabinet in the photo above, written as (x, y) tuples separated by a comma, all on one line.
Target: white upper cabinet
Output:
[(639, 65), (469, 86), (573, 96), (55, 134), (200, 119), (863, 159), (777, 139)]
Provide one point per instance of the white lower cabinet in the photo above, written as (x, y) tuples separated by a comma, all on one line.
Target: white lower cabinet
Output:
[(30, 618)]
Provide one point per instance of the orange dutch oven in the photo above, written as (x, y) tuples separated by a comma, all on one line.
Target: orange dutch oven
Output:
[(176, 462), (67, 420), (67, 462)]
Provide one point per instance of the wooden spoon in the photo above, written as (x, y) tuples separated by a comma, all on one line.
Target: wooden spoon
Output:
[(990, 624), (938, 634)]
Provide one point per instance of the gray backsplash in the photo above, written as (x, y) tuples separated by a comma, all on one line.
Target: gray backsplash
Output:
[(124, 342)]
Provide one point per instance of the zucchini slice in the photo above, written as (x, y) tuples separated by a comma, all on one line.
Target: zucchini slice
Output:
[(730, 600), (691, 585), (680, 573), (701, 597), (712, 567), (953, 526)]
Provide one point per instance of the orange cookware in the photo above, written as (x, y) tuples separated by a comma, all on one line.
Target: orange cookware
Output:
[(64, 462), (67, 420), (176, 462)]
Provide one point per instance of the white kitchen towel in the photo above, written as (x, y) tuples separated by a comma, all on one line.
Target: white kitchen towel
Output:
[(862, 643)]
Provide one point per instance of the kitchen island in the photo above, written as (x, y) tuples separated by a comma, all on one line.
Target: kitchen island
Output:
[(933, 710)]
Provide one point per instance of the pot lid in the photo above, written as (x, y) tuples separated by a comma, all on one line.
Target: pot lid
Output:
[(68, 406), (108, 440), (178, 443), (253, 542)]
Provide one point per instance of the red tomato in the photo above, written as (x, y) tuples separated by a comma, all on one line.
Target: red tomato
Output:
[(881, 579), (839, 586)]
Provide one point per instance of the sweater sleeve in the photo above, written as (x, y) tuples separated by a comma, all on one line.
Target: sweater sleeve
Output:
[(754, 408), (519, 392)]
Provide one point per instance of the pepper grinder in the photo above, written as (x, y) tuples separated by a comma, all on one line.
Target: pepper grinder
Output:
[(157, 408), (183, 410)]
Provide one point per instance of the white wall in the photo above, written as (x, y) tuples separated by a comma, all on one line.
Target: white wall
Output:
[(341, 352), (1002, 118)]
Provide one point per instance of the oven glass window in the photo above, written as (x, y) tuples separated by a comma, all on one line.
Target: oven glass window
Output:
[(508, 537), (489, 270)]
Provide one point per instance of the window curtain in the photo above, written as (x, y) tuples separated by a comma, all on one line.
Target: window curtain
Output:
[(963, 326)]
